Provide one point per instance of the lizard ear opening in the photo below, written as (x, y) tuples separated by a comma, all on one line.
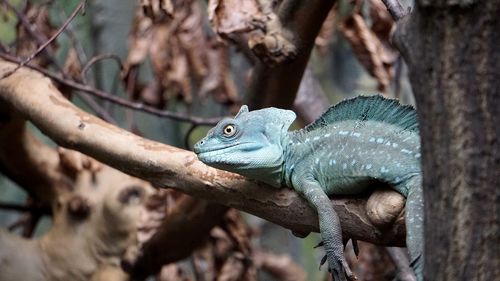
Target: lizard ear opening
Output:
[(243, 109)]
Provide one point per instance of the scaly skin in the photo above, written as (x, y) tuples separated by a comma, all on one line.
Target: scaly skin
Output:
[(339, 158)]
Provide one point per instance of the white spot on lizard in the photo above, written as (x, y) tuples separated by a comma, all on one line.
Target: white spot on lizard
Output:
[(406, 151)]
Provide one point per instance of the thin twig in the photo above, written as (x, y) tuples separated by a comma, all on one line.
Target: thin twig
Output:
[(117, 100), (96, 59), (36, 35), (395, 9), (80, 7)]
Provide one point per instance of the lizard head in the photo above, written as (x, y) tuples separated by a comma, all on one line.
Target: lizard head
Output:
[(249, 144)]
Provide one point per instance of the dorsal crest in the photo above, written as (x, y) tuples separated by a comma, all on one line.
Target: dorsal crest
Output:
[(369, 108)]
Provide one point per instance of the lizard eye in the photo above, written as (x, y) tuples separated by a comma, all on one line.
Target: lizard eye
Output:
[(229, 131)]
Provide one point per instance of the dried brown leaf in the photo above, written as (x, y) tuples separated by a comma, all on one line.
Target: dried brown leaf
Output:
[(152, 215), (172, 272), (266, 36), (238, 230), (367, 48), (382, 26), (324, 39), (72, 66), (233, 269), (139, 41), (219, 81), (231, 16), (151, 94), (182, 55), (38, 18), (157, 10), (193, 39)]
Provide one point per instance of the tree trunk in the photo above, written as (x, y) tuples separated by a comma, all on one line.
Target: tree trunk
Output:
[(452, 48)]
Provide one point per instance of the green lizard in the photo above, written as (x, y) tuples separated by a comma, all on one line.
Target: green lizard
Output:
[(355, 143)]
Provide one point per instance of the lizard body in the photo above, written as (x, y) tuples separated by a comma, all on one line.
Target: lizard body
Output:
[(350, 146)]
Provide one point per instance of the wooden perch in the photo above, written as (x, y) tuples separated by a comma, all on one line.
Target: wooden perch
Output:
[(36, 98)]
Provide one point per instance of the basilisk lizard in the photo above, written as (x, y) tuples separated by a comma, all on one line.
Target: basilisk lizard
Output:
[(353, 144)]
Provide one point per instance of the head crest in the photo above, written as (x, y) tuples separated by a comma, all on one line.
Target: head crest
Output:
[(243, 109)]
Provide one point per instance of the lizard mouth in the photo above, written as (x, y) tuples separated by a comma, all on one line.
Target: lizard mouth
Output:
[(242, 146)]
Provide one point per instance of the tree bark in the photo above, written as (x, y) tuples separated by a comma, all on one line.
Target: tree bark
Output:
[(453, 53)]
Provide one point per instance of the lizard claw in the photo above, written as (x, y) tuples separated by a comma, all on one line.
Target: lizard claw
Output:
[(322, 262), (340, 270), (355, 247), (338, 266), (320, 244)]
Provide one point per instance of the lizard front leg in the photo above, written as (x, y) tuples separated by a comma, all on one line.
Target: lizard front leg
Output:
[(329, 226)]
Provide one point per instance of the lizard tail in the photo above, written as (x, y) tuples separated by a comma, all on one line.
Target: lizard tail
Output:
[(415, 224)]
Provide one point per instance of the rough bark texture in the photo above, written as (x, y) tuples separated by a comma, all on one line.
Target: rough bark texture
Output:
[(452, 50)]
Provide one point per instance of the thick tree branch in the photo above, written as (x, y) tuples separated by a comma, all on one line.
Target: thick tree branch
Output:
[(277, 86), (22, 154), (39, 101), (183, 230)]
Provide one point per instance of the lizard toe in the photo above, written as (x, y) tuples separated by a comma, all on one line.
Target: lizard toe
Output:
[(320, 244), (340, 270)]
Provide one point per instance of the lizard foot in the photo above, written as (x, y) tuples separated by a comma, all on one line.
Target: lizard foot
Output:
[(354, 247), (339, 269)]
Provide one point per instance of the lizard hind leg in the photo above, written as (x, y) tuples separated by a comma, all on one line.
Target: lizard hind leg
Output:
[(415, 223)]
